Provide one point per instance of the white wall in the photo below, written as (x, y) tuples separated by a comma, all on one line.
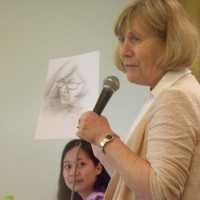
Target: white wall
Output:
[(31, 33)]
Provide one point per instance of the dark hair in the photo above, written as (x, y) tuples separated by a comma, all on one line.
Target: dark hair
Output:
[(102, 179)]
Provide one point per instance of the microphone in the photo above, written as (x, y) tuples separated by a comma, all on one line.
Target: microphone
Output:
[(110, 85)]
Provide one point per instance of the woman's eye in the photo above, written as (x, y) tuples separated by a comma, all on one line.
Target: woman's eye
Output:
[(121, 39), (67, 166), (81, 164), (135, 39)]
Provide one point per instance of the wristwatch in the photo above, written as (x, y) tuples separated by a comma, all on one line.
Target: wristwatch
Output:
[(107, 139)]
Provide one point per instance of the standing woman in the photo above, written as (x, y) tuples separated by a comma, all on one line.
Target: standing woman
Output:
[(161, 155), (91, 177)]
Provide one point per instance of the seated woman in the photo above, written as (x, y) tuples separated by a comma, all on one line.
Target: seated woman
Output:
[(91, 177)]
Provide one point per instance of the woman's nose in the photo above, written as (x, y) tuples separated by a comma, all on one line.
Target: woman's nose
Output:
[(126, 49), (73, 172)]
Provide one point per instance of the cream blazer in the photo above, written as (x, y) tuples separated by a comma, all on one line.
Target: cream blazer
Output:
[(168, 137)]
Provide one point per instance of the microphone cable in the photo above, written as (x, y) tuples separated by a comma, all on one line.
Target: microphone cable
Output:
[(75, 170)]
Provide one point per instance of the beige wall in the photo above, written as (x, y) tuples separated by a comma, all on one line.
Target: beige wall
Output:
[(193, 9)]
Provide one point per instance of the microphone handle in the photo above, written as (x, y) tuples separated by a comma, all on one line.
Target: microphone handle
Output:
[(102, 101)]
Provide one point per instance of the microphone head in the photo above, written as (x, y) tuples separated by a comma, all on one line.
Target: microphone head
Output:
[(111, 83)]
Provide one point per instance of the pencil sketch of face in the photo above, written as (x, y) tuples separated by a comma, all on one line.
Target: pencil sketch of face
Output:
[(70, 85)]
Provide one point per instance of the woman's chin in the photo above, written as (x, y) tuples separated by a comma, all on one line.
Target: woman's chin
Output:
[(131, 78)]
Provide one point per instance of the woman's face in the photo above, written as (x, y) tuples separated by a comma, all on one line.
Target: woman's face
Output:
[(86, 173), (69, 88), (139, 51)]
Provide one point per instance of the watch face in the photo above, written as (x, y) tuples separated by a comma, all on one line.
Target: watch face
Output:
[(109, 137)]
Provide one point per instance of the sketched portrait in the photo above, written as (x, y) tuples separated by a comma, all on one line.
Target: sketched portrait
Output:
[(71, 89), (66, 90)]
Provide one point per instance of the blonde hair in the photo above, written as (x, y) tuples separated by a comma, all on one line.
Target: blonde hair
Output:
[(167, 20)]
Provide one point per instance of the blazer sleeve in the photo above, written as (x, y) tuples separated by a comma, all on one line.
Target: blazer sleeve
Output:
[(172, 133)]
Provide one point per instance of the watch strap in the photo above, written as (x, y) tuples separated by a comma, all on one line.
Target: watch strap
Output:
[(106, 140)]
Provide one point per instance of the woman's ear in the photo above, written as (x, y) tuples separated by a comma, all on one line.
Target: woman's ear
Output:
[(99, 168)]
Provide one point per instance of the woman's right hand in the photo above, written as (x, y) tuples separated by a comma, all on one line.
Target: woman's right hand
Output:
[(93, 128)]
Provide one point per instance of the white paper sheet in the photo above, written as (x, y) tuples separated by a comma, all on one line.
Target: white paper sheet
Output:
[(72, 87)]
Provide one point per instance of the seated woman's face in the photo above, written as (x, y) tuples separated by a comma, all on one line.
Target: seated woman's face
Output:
[(86, 173), (69, 88)]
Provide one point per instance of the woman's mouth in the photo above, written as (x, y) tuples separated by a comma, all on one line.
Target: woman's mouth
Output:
[(130, 67)]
